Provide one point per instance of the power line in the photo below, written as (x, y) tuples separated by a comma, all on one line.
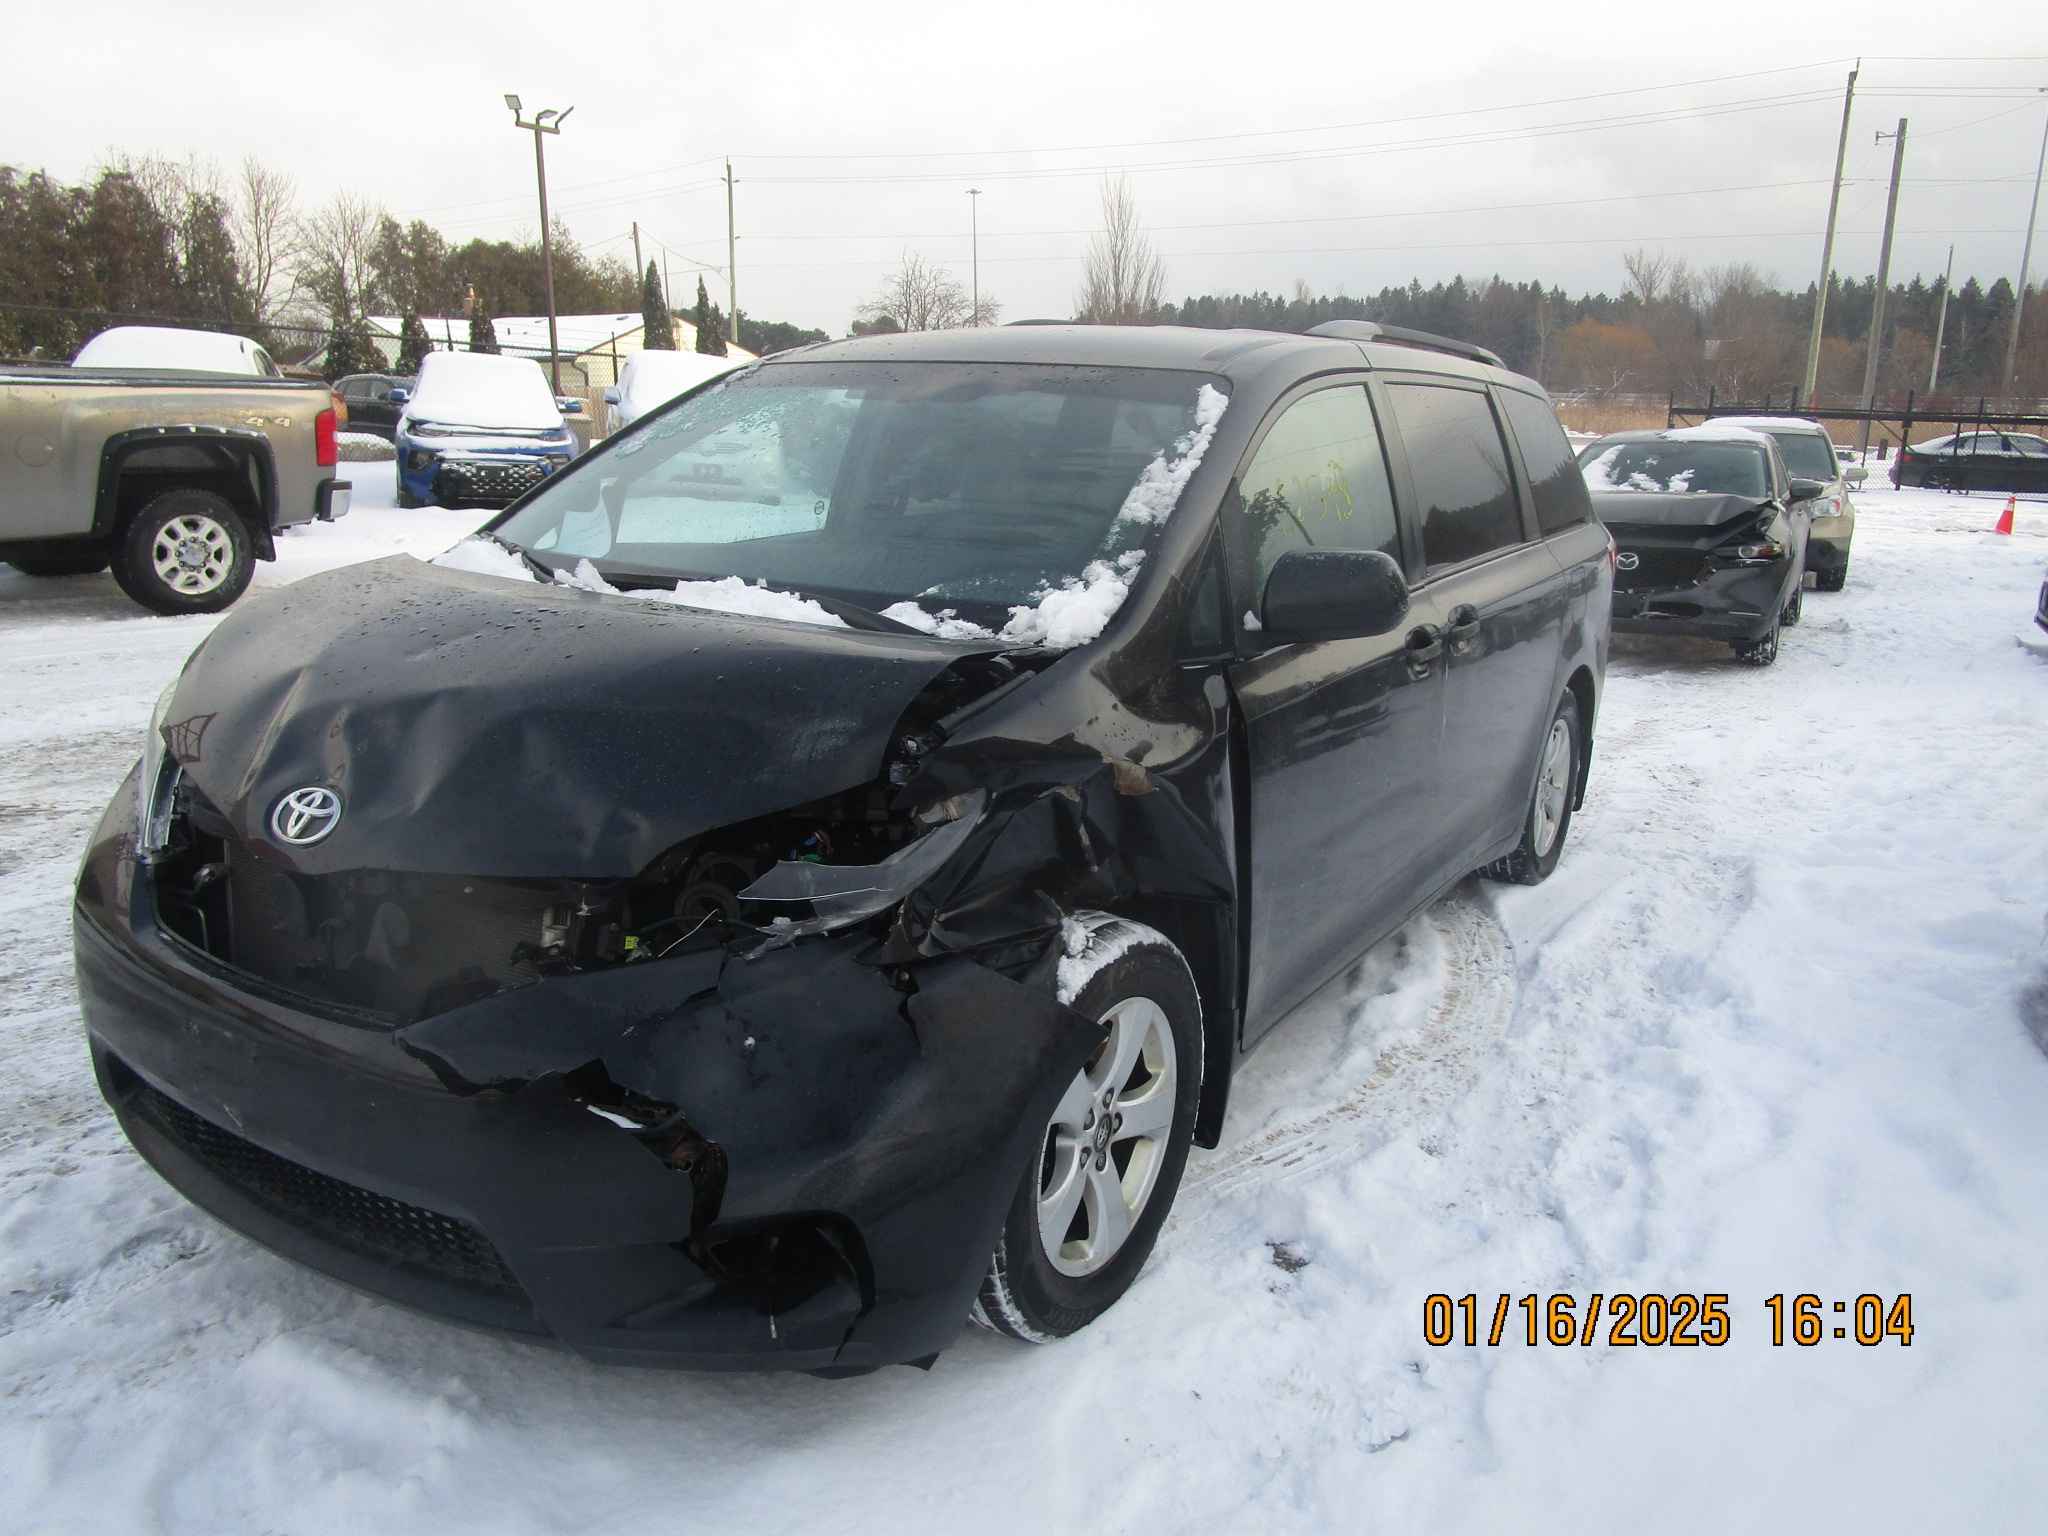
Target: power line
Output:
[(1398, 146)]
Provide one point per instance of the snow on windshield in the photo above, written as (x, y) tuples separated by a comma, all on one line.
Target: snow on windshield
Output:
[(478, 389), (487, 557), (1608, 473), (1076, 610)]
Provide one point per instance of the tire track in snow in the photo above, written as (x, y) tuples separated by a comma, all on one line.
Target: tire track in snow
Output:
[(1412, 1080)]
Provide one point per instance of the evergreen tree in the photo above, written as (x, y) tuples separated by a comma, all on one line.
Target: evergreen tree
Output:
[(483, 336), (350, 348), (413, 343), (710, 324), (656, 334)]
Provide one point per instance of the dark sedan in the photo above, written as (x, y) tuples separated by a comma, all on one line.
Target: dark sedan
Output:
[(765, 919), (370, 406), (1710, 533), (1975, 461)]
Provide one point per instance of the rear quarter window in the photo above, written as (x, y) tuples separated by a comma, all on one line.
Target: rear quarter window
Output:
[(1458, 461), (1554, 479)]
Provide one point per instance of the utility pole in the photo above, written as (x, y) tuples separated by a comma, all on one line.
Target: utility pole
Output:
[(732, 262), (2019, 297), (549, 121), (639, 266), (1827, 244), (1941, 321), (974, 215), (668, 294), (1884, 276)]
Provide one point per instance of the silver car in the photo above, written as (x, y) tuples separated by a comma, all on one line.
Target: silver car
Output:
[(1810, 455)]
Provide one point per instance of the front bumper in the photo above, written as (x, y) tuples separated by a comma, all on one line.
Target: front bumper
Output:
[(452, 477), (835, 1147), (1722, 603)]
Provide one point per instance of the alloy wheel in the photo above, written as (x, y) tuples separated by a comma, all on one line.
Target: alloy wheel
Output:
[(1553, 787), (192, 554), (1107, 1140)]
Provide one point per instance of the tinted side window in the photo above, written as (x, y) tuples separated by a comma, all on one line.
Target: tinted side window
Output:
[(1560, 490), (1318, 481), (1460, 467)]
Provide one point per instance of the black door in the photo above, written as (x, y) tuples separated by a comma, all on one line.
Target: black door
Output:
[(1343, 734), (1504, 600)]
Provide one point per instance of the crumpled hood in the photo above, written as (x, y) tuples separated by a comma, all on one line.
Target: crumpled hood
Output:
[(1674, 510), (479, 726)]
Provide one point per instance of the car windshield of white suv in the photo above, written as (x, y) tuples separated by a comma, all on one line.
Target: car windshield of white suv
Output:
[(1729, 469), (952, 498), (1808, 455)]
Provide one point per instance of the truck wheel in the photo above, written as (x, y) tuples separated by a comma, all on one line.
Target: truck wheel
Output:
[(186, 551), (1550, 807), (80, 562), (406, 500), (1103, 1176)]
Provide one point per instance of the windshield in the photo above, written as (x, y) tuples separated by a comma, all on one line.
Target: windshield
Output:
[(1732, 469), (1808, 455), (970, 487)]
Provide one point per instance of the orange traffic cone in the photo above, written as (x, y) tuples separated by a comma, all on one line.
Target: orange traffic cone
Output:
[(2005, 517)]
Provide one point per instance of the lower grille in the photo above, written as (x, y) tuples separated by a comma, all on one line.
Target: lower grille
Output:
[(360, 1220), (1659, 568), (488, 480)]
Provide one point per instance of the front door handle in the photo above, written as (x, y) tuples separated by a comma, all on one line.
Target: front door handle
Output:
[(1425, 644), (1464, 628)]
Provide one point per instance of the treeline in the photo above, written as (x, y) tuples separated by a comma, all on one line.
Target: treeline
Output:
[(1675, 330), (148, 239)]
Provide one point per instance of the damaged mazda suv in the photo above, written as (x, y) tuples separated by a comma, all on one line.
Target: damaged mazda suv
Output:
[(803, 875)]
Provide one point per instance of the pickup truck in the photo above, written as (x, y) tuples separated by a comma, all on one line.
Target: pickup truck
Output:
[(178, 480)]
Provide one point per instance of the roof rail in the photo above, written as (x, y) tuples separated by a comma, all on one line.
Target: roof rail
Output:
[(1400, 335)]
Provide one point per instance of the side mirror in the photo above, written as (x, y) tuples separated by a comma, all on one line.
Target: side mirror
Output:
[(611, 395), (1332, 594), (1856, 474), (568, 405), (398, 395), (1805, 490)]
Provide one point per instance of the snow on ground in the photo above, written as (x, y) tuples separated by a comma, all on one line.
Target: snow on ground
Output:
[(1760, 1033)]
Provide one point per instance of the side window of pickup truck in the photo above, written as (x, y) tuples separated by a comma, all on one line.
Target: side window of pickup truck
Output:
[(1318, 481)]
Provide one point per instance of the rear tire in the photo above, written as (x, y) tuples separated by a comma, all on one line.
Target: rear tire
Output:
[(82, 562), (1795, 609), (1549, 816), (1094, 1194), (1831, 581), (186, 551)]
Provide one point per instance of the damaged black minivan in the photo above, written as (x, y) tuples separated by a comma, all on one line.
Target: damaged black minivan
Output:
[(804, 875)]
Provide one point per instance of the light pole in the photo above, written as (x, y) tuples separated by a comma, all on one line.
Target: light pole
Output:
[(2019, 295), (974, 248), (549, 121)]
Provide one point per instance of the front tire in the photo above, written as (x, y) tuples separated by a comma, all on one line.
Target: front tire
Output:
[(1550, 807), (1795, 609), (186, 551), (1102, 1178), (1760, 652)]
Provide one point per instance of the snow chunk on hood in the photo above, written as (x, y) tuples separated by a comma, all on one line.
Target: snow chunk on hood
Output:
[(1076, 611), (944, 624), (486, 557), (729, 595)]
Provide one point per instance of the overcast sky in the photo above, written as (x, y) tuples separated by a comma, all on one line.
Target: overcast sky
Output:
[(1332, 143)]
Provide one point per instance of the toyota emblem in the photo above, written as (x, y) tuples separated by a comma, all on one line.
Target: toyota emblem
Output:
[(1626, 562), (305, 816)]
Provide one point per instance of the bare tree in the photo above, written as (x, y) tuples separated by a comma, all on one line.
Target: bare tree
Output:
[(1124, 282), (266, 229), (923, 296), (334, 256), (1648, 271)]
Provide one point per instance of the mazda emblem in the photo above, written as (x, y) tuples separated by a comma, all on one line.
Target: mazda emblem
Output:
[(1626, 562), (305, 816)]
